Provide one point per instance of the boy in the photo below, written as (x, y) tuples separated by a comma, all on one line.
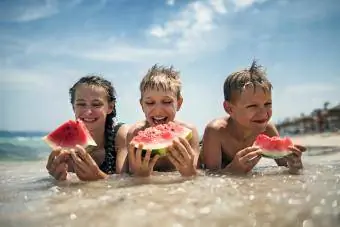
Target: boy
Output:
[(160, 100), (227, 141)]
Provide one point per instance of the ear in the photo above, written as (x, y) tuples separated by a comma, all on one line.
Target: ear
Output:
[(179, 103), (141, 104), (111, 106), (228, 107)]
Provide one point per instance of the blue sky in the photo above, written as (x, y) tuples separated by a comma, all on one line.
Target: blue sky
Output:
[(46, 45)]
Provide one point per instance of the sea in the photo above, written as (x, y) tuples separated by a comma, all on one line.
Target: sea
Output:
[(268, 197)]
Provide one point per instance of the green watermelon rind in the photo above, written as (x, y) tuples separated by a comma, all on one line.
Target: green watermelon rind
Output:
[(162, 150), (53, 144), (275, 154)]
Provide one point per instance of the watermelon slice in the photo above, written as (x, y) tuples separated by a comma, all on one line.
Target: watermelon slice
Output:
[(69, 134), (273, 147), (159, 137)]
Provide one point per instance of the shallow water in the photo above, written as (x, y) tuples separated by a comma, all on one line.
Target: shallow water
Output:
[(268, 197)]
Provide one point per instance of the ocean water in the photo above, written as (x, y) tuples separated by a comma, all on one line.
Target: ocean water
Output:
[(268, 197)]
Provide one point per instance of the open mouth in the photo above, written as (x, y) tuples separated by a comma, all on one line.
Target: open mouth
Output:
[(159, 120), (89, 120)]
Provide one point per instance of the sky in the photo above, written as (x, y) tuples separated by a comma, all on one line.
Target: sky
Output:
[(46, 45)]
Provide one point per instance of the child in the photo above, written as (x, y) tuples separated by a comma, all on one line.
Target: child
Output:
[(227, 141), (93, 100), (160, 100)]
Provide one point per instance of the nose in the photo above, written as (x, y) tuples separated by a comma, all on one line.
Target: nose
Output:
[(88, 110)]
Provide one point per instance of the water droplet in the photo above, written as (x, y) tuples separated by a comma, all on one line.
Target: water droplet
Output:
[(26, 197), (334, 203), (294, 201), (269, 194), (316, 210), (307, 223), (304, 186), (308, 197), (73, 216), (322, 201), (218, 200), (251, 197), (176, 225), (140, 212), (205, 210)]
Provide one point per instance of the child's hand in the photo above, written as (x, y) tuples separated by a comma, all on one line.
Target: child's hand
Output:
[(84, 165), (57, 164), (244, 160), (294, 162), (138, 166), (182, 156)]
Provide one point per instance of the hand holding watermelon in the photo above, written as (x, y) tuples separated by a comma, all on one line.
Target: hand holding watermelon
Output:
[(84, 165), (244, 160), (182, 156), (59, 164), (140, 166), (282, 149)]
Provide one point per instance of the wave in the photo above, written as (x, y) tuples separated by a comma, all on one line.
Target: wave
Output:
[(11, 151)]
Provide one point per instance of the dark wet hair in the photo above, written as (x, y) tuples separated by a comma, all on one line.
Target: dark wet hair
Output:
[(254, 75), (98, 81)]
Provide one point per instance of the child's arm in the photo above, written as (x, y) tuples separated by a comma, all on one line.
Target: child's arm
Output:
[(211, 148), (122, 151)]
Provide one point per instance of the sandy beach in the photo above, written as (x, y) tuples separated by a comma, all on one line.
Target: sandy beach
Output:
[(322, 139)]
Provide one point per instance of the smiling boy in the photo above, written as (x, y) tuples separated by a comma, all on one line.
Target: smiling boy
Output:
[(227, 141), (160, 100)]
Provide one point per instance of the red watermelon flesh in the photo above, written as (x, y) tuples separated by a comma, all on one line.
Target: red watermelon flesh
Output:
[(273, 147), (69, 134), (159, 137)]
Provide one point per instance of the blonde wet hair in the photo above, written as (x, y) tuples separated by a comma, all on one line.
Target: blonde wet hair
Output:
[(162, 78), (253, 76)]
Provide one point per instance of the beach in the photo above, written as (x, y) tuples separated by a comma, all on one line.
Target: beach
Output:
[(267, 197)]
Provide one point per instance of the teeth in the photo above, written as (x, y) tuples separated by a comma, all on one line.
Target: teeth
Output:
[(159, 118), (89, 119)]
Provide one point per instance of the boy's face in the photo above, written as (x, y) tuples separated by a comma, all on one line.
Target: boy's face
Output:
[(160, 106), (252, 108)]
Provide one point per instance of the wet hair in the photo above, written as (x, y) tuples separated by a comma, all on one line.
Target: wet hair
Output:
[(237, 81), (98, 81), (162, 78)]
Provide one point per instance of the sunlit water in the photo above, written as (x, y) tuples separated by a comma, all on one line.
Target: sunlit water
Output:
[(268, 197)]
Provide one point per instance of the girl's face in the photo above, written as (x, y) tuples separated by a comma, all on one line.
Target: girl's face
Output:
[(91, 106), (160, 106)]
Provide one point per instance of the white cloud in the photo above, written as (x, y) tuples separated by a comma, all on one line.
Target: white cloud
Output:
[(219, 6), (26, 11), (170, 2)]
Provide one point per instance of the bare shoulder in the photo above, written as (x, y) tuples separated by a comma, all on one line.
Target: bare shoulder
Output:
[(136, 127), (218, 125), (123, 130), (271, 130), (187, 125)]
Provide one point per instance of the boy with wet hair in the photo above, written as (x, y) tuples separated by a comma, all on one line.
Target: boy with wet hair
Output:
[(227, 141), (160, 100)]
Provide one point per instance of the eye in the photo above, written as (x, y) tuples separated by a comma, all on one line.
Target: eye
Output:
[(251, 106), (97, 105), (149, 103), (80, 104), (268, 104), (167, 101)]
